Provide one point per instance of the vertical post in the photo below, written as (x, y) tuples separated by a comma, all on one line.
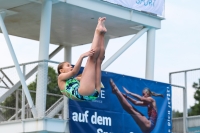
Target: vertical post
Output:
[(106, 40), (67, 53), (9, 44), (185, 112), (27, 111), (23, 96), (43, 55), (62, 112), (150, 53), (30, 115), (67, 57), (16, 103), (170, 78)]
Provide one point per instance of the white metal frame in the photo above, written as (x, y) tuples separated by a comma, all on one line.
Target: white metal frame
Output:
[(9, 44), (11, 90), (185, 111), (67, 57), (150, 54), (43, 55)]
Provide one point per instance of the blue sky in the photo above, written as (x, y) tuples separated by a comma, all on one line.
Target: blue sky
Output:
[(177, 46)]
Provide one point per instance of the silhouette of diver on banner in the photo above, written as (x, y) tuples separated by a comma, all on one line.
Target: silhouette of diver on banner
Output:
[(146, 125)]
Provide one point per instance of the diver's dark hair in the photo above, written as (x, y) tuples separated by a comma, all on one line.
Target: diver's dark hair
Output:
[(151, 93), (60, 66)]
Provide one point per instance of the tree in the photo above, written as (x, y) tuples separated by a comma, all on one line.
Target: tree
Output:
[(195, 110), (52, 87), (177, 114)]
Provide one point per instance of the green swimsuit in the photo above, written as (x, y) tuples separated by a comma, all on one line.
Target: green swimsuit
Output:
[(71, 89)]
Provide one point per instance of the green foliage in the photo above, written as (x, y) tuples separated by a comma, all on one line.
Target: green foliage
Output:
[(52, 87), (9, 102), (195, 110), (177, 114)]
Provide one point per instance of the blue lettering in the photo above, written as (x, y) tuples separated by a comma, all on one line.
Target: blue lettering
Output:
[(146, 2)]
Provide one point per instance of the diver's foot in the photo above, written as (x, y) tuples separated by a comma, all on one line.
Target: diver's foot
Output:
[(128, 92), (101, 26), (113, 86)]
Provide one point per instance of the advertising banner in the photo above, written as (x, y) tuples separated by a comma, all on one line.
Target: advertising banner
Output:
[(152, 6), (125, 105)]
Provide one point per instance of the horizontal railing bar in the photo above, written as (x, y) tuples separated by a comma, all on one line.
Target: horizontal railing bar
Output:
[(30, 63), (51, 94), (178, 86), (185, 71), (5, 107)]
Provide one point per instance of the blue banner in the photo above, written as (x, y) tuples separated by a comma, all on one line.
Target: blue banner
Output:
[(122, 112)]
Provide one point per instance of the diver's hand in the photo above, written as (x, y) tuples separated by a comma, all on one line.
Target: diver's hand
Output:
[(89, 53)]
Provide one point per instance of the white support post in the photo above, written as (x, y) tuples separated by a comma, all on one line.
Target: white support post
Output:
[(3, 28), (27, 111), (67, 53), (150, 53), (121, 50), (23, 96), (67, 57), (185, 111), (43, 55)]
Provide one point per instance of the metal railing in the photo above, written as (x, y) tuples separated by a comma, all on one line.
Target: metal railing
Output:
[(193, 122), (185, 80), (12, 104)]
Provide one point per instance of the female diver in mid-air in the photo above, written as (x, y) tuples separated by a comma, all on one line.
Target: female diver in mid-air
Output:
[(146, 125), (87, 86)]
